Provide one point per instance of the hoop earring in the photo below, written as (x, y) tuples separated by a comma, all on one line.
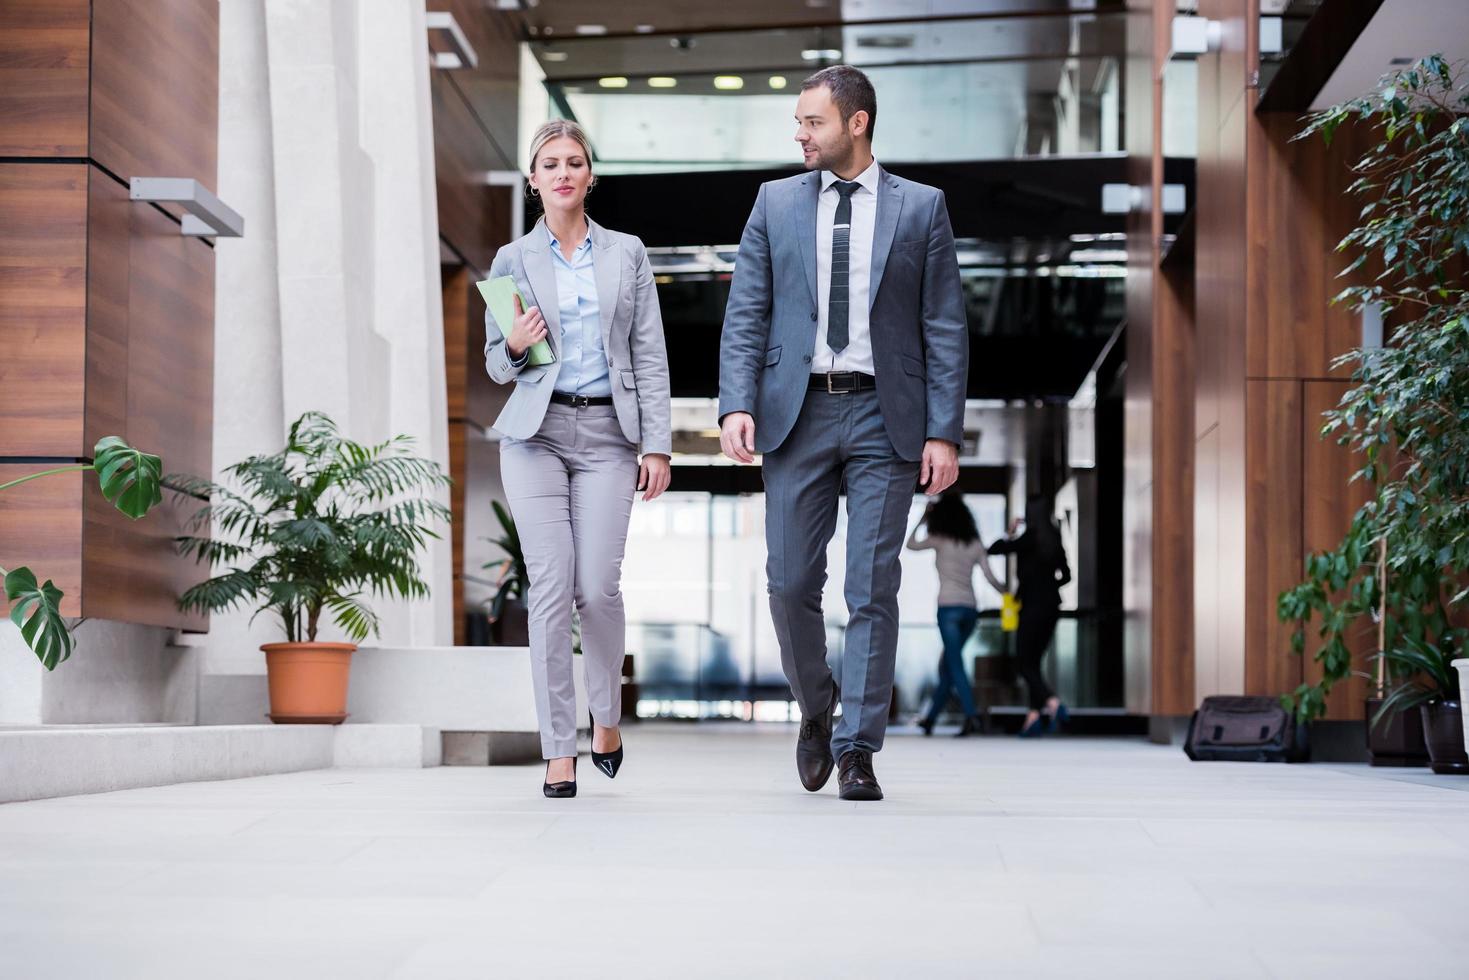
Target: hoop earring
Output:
[(531, 190)]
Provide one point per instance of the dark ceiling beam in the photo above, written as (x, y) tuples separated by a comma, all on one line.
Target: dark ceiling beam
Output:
[(1324, 42)]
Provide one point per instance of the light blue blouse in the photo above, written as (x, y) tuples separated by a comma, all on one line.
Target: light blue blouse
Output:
[(584, 368)]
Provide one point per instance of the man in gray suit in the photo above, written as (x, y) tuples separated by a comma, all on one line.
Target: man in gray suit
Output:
[(843, 361)]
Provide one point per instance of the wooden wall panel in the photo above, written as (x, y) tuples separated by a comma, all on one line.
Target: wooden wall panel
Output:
[(1298, 210), (155, 88), (150, 374), (1331, 500), (1273, 527), (44, 72), (1174, 678), (43, 303), (41, 527), (1159, 471)]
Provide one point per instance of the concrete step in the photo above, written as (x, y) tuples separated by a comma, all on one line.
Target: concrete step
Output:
[(41, 762)]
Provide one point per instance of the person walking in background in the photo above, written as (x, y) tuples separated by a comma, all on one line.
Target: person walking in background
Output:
[(573, 430), (954, 539), (1042, 571)]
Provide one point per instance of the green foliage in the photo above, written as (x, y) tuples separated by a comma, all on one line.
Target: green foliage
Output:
[(316, 527), (512, 579), (1407, 414), (131, 480)]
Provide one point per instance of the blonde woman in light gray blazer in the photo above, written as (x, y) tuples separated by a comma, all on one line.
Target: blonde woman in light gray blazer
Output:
[(572, 434)]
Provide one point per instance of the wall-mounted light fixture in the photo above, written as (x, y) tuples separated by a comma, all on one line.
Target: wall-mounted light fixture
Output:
[(463, 56), (1124, 198), (1193, 36), (208, 216)]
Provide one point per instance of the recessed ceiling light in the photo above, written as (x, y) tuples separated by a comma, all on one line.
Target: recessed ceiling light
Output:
[(554, 56), (728, 82), (662, 81), (644, 28), (613, 81), (591, 29), (777, 81), (821, 54)]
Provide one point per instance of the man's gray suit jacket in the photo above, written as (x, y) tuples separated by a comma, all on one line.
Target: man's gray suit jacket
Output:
[(920, 339), (632, 336)]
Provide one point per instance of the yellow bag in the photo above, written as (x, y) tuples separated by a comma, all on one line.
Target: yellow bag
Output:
[(1009, 613)]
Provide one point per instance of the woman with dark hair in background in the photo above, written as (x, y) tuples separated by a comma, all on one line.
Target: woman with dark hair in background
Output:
[(1042, 571), (954, 539)]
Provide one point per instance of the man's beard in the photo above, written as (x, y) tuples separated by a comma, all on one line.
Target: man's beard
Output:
[(834, 158)]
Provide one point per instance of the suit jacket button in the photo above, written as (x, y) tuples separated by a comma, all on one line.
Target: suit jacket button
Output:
[(813, 314), (807, 358)]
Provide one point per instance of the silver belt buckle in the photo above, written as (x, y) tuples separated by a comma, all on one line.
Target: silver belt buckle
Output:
[(834, 391)]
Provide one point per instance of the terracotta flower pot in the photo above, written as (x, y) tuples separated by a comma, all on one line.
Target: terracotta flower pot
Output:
[(308, 682)]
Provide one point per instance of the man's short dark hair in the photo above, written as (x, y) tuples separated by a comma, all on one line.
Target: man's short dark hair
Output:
[(851, 90)]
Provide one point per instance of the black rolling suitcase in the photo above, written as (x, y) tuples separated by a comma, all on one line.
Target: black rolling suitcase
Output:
[(1245, 729)]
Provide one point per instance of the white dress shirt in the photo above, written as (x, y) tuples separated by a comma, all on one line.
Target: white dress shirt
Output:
[(858, 354)]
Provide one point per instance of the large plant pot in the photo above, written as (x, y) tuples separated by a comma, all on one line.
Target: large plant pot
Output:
[(1443, 730), (1462, 666), (1397, 740), (512, 629), (308, 682)]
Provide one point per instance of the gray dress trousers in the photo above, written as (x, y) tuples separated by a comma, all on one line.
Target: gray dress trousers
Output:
[(570, 487)]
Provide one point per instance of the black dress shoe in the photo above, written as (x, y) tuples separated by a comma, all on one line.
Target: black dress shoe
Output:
[(813, 747), (857, 781), (609, 762), (927, 725), (973, 725), (563, 790)]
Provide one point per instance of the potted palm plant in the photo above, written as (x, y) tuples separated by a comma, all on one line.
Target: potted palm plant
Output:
[(131, 481), (315, 529), (508, 617), (1407, 414)]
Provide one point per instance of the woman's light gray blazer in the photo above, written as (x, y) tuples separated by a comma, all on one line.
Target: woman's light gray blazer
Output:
[(632, 336)]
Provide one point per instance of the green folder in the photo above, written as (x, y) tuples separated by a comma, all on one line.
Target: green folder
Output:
[(499, 294)]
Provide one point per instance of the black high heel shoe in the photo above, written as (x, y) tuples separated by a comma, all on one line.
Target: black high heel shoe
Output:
[(562, 790), (609, 762), (926, 725), (973, 725)]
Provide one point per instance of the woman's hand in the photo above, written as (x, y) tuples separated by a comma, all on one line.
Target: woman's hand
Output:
[(653, 475), (529, 330), (1016, 525)]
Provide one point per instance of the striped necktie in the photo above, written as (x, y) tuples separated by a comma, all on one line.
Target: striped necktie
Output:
[(841, 237)]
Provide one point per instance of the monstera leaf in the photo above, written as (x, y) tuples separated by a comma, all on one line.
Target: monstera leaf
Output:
[(36, 609), (131, 479)]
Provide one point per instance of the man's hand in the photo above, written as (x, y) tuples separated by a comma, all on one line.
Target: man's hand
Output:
[(653, 476), (940, 466), (737, 437)]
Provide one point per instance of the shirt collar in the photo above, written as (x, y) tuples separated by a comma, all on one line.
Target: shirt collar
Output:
[(556, 243), (867, 178)]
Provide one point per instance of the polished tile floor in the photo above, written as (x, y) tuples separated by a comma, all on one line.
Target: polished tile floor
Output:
[(991, 857)]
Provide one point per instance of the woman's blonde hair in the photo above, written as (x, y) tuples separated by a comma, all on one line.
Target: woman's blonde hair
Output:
[(555, 129)]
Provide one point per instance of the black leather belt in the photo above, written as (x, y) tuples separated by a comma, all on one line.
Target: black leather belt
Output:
[(579, 401), (842, 382)]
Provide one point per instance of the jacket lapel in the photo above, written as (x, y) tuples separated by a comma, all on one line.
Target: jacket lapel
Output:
[(889, 206), (805, 217), (607, 269), (542, 276)]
